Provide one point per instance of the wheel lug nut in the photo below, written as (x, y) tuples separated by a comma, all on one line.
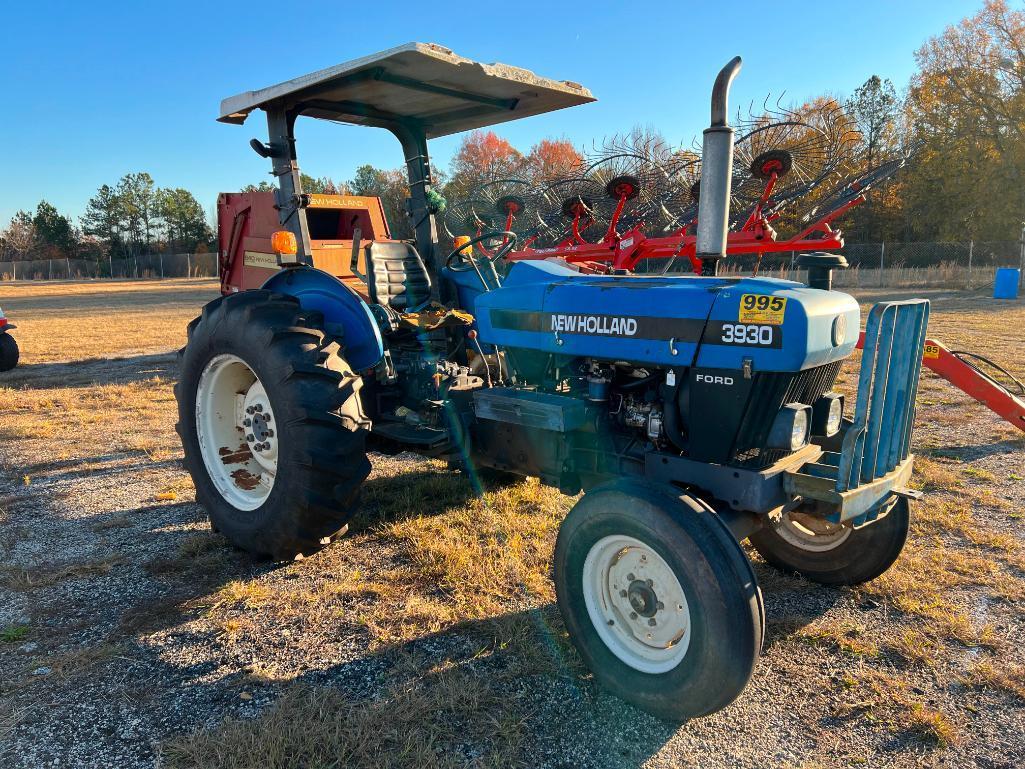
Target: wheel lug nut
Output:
[(270, 433), (630, 577), (258, 407), (633, 615), (660, 606), (247, 422), (250, 438), (612, 622), (250, 410), (651, 583), (651, 622)]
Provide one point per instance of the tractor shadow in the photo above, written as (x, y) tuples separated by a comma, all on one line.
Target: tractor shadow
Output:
[(973, 451), (511, 686), (91, 372)]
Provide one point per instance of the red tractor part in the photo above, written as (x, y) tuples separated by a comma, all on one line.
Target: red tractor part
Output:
[(972, 380), (339, 226)]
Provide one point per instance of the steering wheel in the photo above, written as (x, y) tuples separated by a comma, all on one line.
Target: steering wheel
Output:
[(457, 261)]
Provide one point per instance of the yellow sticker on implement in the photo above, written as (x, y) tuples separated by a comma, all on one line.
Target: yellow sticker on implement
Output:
[(931, 351), (759, 308)]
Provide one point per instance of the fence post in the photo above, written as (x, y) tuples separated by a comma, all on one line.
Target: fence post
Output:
[(161, 255), (971, 250), (49, 268), (882, 257), (1021, 261), (68, 260), (188, 263)]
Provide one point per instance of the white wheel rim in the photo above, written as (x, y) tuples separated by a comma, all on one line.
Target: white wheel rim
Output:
[(636, 604), (811, 533), (237, 432)]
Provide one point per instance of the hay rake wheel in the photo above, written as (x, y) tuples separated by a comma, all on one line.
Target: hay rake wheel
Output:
[(779, 162), (514, 205), (572, 214), (643, 182), (470, 217)]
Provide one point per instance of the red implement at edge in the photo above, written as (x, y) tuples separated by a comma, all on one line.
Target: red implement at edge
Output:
[(989, 393)]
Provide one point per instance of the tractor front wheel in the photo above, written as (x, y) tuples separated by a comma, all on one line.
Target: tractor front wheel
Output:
[(834, 554), (9, 352), (659, 598), (271, 423)]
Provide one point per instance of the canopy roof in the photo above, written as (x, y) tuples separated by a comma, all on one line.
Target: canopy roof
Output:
[(420, 83)]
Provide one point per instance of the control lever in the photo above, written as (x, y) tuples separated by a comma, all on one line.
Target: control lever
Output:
[(357, 237)]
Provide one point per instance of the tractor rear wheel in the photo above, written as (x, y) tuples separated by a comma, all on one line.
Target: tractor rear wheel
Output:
[(659, 598), (834, 554), (9, 352), (271, 423)]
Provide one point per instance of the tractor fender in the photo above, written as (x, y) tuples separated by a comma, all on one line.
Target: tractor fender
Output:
[(346, 315)]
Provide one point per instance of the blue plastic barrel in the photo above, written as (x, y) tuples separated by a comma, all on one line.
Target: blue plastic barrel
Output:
[(1006, 284)]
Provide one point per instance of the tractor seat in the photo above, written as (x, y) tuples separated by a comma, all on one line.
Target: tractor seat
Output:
[(396, 276)]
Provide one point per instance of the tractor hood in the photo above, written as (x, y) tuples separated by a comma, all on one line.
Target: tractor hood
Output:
[(713, 322)]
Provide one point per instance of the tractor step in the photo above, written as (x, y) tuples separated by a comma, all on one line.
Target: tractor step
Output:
[(527, 408)]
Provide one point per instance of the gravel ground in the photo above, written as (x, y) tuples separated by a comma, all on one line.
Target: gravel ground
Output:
[(113, 643)]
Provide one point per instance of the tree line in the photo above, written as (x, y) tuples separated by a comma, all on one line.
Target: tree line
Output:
[(128, 219)]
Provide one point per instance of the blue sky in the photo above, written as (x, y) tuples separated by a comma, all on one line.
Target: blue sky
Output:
[(94, 90)]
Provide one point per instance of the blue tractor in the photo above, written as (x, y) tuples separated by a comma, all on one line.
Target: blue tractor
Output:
[(693, 411)]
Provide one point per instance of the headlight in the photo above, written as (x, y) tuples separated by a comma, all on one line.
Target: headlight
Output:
[(827, 414), (790, 428), (839, 330)]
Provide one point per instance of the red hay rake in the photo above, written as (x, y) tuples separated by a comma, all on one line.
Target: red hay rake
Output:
[(636, 198)]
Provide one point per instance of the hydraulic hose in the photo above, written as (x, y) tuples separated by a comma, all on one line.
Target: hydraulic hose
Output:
[(671, 396), (644, 380)]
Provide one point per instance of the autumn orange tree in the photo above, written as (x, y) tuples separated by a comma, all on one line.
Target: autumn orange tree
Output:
[(551, 159), (482, 156)]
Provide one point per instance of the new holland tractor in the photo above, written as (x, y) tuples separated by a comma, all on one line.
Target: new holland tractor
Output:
[(693, 411)]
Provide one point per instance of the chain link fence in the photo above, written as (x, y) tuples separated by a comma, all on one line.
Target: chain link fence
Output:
[(872, 265), (901, 265), (146, 266)]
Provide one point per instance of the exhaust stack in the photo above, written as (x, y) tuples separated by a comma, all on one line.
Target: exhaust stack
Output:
[(716, 175)]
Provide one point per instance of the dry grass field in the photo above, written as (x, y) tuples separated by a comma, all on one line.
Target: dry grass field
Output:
[(132, 636)]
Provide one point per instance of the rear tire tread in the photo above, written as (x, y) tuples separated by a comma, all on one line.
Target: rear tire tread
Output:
[(325, 463)]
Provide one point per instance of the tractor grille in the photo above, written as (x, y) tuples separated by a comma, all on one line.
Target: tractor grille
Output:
[(770, 391)]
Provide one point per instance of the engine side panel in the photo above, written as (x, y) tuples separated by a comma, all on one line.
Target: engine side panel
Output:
[(667, 321)]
